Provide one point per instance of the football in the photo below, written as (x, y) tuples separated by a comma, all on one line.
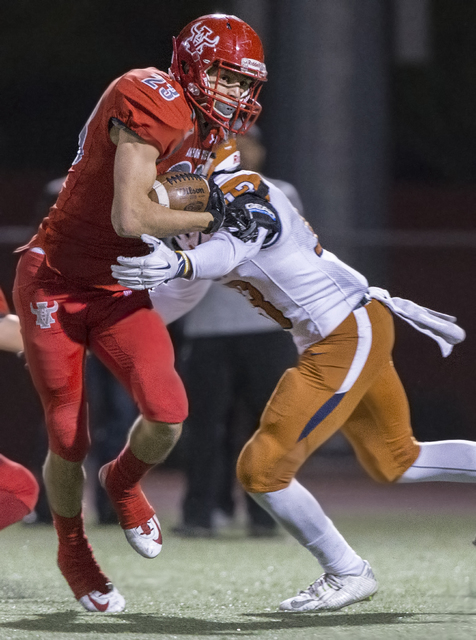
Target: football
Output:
[(181, 190)]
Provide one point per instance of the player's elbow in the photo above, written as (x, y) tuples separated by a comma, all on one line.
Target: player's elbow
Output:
[(124, 230), (124, 225)]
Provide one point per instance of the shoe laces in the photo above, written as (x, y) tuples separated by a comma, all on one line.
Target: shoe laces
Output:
[(324, 583)]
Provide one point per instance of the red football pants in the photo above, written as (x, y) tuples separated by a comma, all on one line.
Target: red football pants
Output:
[(18, 492), (60, 321)]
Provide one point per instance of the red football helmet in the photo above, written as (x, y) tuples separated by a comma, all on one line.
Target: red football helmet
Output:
[(222, 42)]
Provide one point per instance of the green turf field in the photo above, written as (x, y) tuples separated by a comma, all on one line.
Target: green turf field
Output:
[(230, 588)]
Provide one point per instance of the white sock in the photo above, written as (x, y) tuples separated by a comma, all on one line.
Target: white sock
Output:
[(302, 516), (443, 461)]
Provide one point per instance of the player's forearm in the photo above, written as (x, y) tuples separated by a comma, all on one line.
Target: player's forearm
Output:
[(10, 335), (131, 220), (133, 212), (220, 255)]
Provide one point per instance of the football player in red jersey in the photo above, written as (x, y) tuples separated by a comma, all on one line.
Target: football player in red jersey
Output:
[(18, 487), (146, 122)]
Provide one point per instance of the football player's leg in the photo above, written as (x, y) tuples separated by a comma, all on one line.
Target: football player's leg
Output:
[(18, 492), (270, 460), (138, 350), (347, 578), (307, 407), (379, 429), (310, 403), (380, 432), (443, 461), (55, 355)]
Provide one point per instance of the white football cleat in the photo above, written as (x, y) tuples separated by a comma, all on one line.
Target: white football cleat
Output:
[(111, 602), (331, 592), (146, 539)]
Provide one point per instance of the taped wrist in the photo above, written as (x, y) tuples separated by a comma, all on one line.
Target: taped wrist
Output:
[(184, 267)]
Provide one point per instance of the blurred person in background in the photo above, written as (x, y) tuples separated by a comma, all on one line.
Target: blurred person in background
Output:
[(146, 122), (18, 486), (227, 345)]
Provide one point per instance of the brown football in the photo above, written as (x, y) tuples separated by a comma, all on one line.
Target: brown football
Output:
[(181, 190)]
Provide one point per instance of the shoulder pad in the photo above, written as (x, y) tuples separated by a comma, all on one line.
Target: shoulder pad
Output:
[(241, 182), (154, 92)]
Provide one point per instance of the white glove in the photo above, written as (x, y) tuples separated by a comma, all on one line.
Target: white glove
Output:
[(147, 272)]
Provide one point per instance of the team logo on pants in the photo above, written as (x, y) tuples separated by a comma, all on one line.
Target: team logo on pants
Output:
[(43, 313)]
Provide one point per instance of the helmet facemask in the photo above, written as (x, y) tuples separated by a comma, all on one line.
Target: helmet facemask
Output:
[(236, 114)]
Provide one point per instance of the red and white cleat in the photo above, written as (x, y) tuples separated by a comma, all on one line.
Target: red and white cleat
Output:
[(131, 506), (146, 539), (110, 602)]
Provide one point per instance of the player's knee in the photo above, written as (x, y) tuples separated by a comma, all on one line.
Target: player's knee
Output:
[(170, 433), (152, 441), (382, 476), (255, 470), (164, 431), (67, 448), (387, 471), (68, 435), (246, 473)]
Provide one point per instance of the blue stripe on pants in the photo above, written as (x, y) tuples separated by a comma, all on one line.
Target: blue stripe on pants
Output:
[(321, 414)]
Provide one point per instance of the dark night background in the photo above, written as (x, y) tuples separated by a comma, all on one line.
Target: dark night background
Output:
[(58, 57)]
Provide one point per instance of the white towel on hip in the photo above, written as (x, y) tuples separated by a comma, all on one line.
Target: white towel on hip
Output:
[(439, 326)]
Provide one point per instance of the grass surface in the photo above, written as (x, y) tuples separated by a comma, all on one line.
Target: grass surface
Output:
[(230, 587)]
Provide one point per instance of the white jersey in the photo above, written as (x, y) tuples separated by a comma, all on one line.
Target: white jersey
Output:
[(305, 293), (290, 279)]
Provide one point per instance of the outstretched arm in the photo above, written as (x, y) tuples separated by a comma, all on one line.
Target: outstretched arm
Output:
[(214, 259)]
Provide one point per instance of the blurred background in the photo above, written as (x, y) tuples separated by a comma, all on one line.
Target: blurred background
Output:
[(369, 112)]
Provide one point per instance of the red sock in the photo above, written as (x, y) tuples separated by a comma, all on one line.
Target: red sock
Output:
[(11, 509), (75, 557), (122, 483)]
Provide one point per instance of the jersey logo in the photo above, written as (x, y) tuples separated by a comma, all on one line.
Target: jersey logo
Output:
[(257, 300), (201, 37), (43, 313)]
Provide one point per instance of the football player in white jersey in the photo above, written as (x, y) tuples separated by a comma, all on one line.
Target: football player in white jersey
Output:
[(345, 378)]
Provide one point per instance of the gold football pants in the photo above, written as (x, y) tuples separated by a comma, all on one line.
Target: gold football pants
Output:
[(346, 381)]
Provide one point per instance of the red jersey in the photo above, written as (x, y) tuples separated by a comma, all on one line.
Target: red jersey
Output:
[(77, 236), (4, 310)]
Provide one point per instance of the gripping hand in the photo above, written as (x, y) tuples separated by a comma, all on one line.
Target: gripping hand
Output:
[(217, 207), (147, 272), (248, 214)]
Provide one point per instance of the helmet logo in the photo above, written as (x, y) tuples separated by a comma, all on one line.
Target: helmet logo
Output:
[(200, 38)]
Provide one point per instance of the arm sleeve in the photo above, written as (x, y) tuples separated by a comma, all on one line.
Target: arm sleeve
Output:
[(140, 107), (221, 254), (177, 297)]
